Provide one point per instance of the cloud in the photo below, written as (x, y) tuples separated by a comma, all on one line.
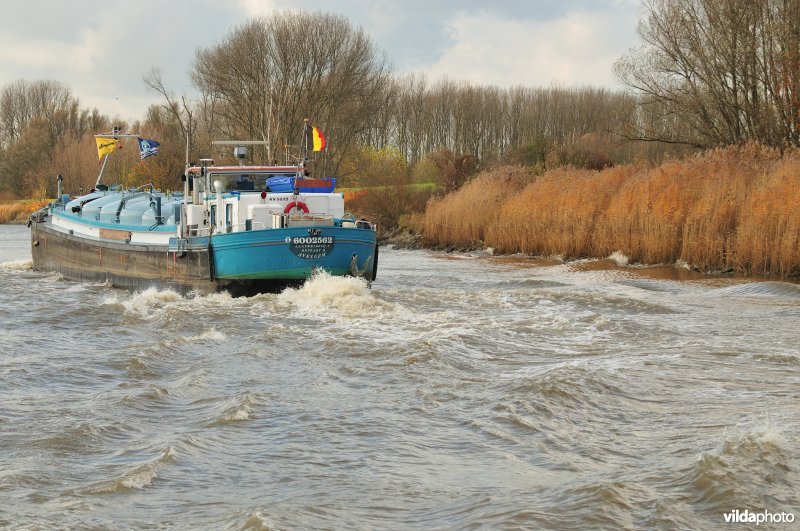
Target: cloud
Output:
[(50, 54), (577, 48), (102, 53), (256, 8)]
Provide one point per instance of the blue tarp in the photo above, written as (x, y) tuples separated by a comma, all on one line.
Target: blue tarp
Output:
[(281, 184)]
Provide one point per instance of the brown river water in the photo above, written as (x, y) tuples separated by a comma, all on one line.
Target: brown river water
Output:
[(459, 391)]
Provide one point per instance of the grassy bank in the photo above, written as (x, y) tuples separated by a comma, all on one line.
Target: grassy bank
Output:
[(735, 208), (18, 211)]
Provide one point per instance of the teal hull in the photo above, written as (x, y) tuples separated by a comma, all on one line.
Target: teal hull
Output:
[(294, 253)]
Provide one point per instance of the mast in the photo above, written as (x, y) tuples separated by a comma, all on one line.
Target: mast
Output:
[(102, 169), (116, 135), (269, 132), (325, 155), (306, 135)]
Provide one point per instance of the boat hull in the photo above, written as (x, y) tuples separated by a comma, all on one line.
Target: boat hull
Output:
[(293, 253), (242, 263)]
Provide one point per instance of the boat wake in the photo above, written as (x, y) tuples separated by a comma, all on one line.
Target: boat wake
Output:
[(17, 265), (345, 297), (208, 335), (143, 303)]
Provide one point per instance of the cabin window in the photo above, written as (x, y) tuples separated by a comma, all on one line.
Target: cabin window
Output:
[(256, 181), (228, 217), (213, 215)]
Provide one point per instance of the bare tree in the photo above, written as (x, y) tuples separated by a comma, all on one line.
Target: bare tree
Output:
[(23, 101), (717, 71), (269, 74), (181, 112)]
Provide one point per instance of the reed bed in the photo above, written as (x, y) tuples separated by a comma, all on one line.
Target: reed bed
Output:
[(557, 214), (767, 238), (734, 208), (461, 219), (18, 211)]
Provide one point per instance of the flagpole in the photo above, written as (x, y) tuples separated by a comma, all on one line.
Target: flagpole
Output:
[(269, 132), (305, 138), (102, 169), (325, 156)]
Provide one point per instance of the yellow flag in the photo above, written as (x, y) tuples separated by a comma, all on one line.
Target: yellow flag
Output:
[(105, 146)]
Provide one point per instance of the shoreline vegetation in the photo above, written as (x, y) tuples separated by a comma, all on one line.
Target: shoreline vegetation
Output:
[(734, 209), (728, 210), (17, 212)]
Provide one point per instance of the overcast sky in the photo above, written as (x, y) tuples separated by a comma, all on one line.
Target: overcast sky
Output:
[(101, 49)]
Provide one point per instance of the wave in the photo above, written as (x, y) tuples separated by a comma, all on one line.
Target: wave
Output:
[(253, 522), (237, 410), (745, 471), (137, 477), (760, 289), (544, 395), (139, 368), (151, 393), (576, 384), (211, 334), (17, 265), (82, 438), (606, 302), (529, 283), (344, 297), (143, 303)]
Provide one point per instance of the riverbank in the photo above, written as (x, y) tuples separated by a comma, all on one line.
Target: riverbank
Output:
[(404, 240), (17, 212), (732, 209)]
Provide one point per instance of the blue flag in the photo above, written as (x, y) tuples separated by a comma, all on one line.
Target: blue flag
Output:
[(147, 147)]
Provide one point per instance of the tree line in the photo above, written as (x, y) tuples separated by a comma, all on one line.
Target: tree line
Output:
[(728, 71), (708, 73)]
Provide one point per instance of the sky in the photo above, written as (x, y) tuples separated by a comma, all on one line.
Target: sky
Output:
[(102, 49)]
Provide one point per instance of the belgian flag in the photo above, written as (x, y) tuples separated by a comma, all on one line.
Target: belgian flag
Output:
[(315, 140)]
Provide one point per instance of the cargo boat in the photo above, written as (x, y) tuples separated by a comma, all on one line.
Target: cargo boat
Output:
[(241, 229)]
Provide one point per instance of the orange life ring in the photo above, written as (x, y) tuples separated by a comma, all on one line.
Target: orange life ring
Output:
[(296, 204)]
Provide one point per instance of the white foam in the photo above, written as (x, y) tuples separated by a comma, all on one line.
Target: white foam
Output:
[(346, 297), (222, 298), (761, 437), (139, 478), (618, 258), (210, 335), (240, 413), (143, 303), (257, 522), (143, 475), (17, 265), (770, 436)]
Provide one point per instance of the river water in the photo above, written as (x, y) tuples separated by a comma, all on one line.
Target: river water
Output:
[(460, 391)]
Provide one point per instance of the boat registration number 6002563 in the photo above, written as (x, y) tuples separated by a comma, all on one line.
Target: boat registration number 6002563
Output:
[(311, 247)]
